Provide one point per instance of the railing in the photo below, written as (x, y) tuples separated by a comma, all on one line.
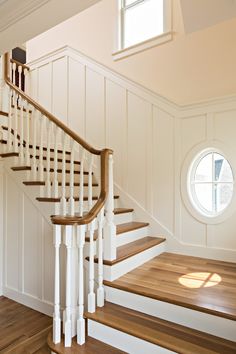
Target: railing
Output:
[(70, 172)]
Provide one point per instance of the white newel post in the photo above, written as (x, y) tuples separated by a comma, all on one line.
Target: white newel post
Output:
[(56, 314), (81, 320), (68, 235), (110, 227)]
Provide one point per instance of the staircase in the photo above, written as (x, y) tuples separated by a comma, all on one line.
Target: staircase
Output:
[(72, 183)]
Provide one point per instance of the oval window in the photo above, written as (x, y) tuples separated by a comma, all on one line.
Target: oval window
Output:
[(211, 183)]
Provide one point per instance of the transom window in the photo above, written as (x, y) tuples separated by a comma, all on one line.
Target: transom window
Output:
[(211, 183), (141, 20)]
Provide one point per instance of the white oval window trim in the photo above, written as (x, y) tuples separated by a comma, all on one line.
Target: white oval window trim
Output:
[(188, 190)]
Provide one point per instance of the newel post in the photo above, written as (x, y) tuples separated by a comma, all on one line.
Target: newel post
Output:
[(110, 227)]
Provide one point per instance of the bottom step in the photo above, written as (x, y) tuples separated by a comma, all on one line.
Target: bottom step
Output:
[(137, 333), (92, 346)]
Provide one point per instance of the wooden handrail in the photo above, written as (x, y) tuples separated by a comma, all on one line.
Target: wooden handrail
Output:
[(104, 155), (19, 64)]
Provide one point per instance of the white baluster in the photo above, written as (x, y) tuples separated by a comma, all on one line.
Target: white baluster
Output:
[(90, 183), (56, 314), (14, 73), (81, 183), (26, 79), (27, 136), (68, 326), (9, 138), (63, 177), (22, 132), (91, 295), (81, 321), (48, 157), (15, 122), (55, 174), (72, 166), (20, 76), (110, 228), (35, 117), (100, 289), (40, 167)]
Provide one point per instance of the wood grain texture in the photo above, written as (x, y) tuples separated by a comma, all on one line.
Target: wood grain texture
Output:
[(76, 199), (177, 338), (22, 330), (91, 346), (197, 283), (133, 248)]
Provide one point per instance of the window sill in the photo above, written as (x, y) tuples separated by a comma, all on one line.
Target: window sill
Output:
[(140, 47)]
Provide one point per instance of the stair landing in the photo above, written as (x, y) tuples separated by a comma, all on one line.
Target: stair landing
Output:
[(201, 284)]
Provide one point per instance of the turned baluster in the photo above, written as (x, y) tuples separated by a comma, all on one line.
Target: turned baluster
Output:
[(48, 158), (27, 135), (91, 295), (20, 76), (22, 132), (36, 117), (63, 177), (100, 289), (55, 168), (68, 323), (81, 183), (40, 166), (9, 138), (72, 166), (90, 183), (81, 321)]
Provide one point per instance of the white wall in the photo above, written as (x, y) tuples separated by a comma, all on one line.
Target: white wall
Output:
[(151, 138)]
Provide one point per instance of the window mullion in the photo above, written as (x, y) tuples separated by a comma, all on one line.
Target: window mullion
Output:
[(137, 2)]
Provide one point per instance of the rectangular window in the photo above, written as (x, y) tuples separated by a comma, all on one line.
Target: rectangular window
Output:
[(143, 24)]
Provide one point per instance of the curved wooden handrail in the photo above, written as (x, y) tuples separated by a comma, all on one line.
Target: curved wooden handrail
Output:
[(104, 154), (19, 64)]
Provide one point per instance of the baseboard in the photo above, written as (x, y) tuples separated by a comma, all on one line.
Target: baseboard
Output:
[(29, 301)]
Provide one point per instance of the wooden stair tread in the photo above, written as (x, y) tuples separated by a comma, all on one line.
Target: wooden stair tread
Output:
[(52, 159), (122, 228), (91, 346), (160, 279), (169, 335), (118, 211), (42, 183), (133, 248), (57, 200), (9, 154), (4, 114), (28, 168)]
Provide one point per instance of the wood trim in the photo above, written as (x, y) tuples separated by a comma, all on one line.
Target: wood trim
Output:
[(104, 155)]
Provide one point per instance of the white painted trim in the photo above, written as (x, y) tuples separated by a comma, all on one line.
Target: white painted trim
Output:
[(122, 340), (201, 321), (20, 12), (29, 301), (140, 47)]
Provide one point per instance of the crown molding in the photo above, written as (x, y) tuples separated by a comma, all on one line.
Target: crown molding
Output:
[(11, 11)]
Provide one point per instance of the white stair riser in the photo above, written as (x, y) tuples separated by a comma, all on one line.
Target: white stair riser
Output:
[(117, 270), (123, 218), (134, 235), (201, 321), (123, 341)]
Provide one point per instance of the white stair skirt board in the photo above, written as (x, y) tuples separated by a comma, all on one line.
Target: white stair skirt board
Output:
[(122, 340), (201, 321), (117, 270), (131, 236), (123, 218)]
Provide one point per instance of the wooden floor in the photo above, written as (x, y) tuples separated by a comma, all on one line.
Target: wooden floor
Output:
[(197, 283), (25, 331), (22, 330)]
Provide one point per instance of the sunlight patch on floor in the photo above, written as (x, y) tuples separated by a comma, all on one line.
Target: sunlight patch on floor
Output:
[(200, 280)]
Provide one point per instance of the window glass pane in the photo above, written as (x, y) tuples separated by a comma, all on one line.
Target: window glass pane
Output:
[(143, 21), (223, 194), (204, 169), (203, 194), (223, 172)]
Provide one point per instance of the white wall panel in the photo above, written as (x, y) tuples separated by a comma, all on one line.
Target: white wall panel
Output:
[(33, 79), (95, 108), (45, 86), (193, 232), (116, 127), (163, 167), (193, 132), (139, 116), (59, 89), (76, 97)]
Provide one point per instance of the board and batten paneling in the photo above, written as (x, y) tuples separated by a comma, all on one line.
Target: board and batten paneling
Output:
[(151, 138)]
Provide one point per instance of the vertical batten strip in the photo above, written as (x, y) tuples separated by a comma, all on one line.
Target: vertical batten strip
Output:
[(72, 166), (56, 314), (91, 295), (100, 290), (81, 320), (68, 325), (81, 183), (48, 179), (63, 181)]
